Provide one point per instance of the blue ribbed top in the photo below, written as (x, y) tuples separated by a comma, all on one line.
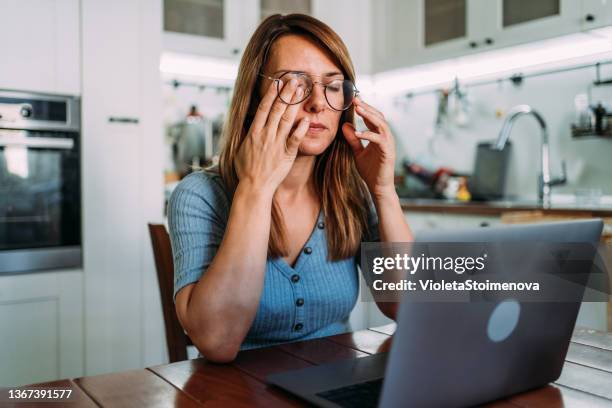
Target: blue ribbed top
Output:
[(312, 299)]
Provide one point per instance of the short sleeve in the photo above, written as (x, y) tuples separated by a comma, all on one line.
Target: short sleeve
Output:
[(197, 216)]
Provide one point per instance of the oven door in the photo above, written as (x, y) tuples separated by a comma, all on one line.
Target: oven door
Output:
[(40, 209)]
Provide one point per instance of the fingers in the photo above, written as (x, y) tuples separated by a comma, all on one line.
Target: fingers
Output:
[(360, 102), (348, 130), (288, 118), (371, 137), (373, 119), (279, 107), (293, 142), (263, 110)]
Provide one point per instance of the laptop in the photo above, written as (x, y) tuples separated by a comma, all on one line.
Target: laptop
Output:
[(442, 354)]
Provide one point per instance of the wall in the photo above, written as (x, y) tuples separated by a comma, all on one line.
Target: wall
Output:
[(588, 160)]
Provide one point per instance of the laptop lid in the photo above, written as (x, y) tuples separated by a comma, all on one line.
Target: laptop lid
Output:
[(447, 354)]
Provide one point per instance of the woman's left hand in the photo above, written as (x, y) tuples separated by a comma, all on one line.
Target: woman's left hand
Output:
[(376, 161)]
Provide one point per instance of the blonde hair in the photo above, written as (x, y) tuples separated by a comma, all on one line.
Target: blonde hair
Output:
[(344, 196)]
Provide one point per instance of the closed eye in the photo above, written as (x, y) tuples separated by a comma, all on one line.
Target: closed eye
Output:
[(335, 86)]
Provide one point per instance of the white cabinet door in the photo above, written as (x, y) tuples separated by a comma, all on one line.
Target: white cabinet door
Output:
[(522, 21), (595, 14), (122, 181), (226, 38), (407, 33), (41, 315), (451, 28), (40, 46), (419, 31), (352, 20), (421, 221)]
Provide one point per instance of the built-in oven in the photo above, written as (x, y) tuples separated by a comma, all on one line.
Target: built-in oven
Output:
[(40, 182)]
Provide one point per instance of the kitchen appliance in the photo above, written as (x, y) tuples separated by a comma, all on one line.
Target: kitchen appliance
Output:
[(40, 182), (488, 181)]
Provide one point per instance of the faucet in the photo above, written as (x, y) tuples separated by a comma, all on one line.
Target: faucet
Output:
[(545, 181)]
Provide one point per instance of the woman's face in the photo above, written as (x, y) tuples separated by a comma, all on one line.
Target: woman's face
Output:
[(298, 53)]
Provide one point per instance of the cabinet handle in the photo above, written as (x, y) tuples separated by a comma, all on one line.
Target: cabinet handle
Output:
[(484, 224), (489, 41), (118, 119), (589, 18), (11, 138), (473, 44)]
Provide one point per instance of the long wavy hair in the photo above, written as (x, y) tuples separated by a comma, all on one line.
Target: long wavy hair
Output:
[(343, 193)]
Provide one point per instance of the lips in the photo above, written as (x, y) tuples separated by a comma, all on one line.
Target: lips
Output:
[(317, 126)]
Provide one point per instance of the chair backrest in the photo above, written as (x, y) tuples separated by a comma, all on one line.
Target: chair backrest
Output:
[(176, 338)]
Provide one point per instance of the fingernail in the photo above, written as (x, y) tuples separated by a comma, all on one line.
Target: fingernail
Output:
[(293, 82)]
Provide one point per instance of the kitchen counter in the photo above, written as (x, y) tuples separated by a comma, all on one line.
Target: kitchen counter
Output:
[(604, 209)]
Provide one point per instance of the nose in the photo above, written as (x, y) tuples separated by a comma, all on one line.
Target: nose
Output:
[(315, 102)]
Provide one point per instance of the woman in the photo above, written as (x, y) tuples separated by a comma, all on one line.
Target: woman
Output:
[(264, 245)]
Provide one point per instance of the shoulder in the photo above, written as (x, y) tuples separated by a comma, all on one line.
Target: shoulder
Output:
[(203, 189), (201, 182)]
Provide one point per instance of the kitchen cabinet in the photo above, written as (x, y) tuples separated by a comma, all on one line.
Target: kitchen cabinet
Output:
[(595, 13), (270, 7), (241, 17), (41, 315), (211, 28), (418, 31), (421, 221), (122, 148), (40, 47), (521, 21), (407, 33), (354, 31)]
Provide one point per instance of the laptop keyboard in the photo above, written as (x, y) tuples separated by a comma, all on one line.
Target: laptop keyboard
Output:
[(362, 395)]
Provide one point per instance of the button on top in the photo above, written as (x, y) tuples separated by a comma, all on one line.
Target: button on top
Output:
[(295, 278), (298, 327), (299, 302), (321, 225), (308, 250)]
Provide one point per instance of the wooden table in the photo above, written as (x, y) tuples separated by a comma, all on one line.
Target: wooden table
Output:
[(586, 380)]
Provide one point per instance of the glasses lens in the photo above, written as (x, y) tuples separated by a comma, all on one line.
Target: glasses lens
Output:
[(340, 94), (303, 82)]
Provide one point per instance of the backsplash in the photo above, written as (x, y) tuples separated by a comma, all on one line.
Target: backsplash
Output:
[(589, 160)]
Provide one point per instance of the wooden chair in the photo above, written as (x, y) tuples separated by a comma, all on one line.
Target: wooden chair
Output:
[(176, 338)]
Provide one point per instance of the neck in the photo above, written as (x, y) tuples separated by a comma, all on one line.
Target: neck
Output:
[(300, 179)]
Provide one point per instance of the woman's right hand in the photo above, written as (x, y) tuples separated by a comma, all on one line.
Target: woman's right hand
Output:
[(271, 145)]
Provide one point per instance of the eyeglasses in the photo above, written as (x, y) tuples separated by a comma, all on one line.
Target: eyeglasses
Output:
[(339, 93)]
